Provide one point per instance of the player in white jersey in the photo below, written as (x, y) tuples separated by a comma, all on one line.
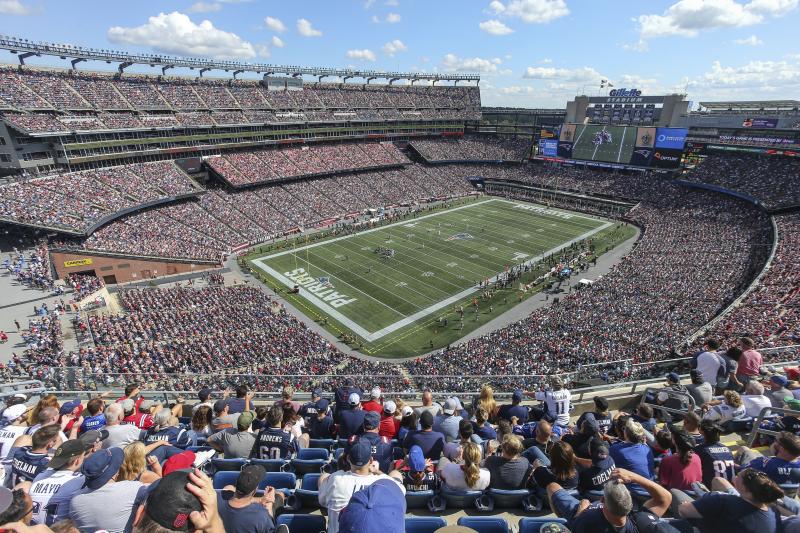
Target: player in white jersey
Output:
[(558, 401)]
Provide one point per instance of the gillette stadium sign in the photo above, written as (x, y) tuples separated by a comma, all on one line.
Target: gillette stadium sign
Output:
[(628, 93)]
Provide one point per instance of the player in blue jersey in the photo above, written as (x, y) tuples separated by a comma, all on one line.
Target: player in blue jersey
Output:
[(273, 442), (29, 461)]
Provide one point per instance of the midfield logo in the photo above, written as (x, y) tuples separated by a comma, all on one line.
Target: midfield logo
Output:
[(460, 237)]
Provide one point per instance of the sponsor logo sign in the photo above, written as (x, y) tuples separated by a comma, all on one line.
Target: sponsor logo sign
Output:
[(548, 147), (77, 262), (543, 211), (324, 291), (671, 138), (630, 93), (761, 123), (666, 158)]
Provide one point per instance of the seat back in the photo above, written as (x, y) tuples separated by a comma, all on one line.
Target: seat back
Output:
[(223, 478), (310, 482), (533, 525), (485, 524), (303, 523), (461, 499), (271, 465), (310, 454), (279, 480), (418, 499), (327, 444), (426, 524), (228, 465), (508, 499)]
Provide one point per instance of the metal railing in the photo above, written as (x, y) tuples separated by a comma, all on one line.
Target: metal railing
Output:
[(765, 412), (684, 397)]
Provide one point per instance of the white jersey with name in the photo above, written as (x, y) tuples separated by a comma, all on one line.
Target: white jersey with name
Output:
[(558, 404), (7, 437), (45, 486)]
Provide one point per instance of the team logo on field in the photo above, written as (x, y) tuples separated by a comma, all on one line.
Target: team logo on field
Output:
[(460, 237)]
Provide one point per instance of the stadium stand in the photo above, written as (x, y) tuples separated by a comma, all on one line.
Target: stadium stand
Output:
[(472, 148)]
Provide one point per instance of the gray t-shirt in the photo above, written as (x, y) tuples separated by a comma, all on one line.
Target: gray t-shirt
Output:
[(701, 393), (121, 435), (235, 444), (507, 474), (111, 507), (448, 426)]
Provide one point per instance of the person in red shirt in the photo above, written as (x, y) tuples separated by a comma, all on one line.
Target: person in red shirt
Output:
[(750, 362), (390, 424), (133, 393), (374, 403), (681, 469), (134, 416)]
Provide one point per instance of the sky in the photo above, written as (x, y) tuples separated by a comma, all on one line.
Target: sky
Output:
[(529, 53)]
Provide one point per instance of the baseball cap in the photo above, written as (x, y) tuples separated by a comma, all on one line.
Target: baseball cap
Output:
[(322, 405), (169, 504), (389, 407), (375, 393), (219, 405), (590, 424), (14, 412), (360, 453), (68, 407), (517, 396), (65, 453), (449, 406), (179, 461), (354, 398), (92, 437), (6, 499), (316, 393), (244, 420), (673, 377), (601, 403), (779, 380), (249, 478), (204, 394), (792, 403), (406, 410), (696, 374), (426, 419), (598, 450), (378, 507), (101, 466), (372, 420), (416, 459)]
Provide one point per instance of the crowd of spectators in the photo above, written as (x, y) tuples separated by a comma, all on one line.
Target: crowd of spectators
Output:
[(473, 148), (84, 285), (33, 270)]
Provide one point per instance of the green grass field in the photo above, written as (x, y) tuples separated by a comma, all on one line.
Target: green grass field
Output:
[(619, 150), (392, 305)]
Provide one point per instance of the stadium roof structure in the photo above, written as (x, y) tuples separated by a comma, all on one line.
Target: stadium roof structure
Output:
[(25, 48), (752, 104)]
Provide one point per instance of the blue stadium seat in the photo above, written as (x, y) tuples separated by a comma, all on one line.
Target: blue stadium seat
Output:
[(418, 499), (485, 524), (533, 525), (226, 465), (460, 499), (328, 444), (279, 480), (310, 460), (271, 465), (185, 420), (308, 493), (508, 499), (341, 443), (221, 479), (426, 524), (303, 523), (196, 449)]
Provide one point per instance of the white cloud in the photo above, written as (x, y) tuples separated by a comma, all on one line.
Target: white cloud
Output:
[(546, 60), (368, 3), (583, 74), (531, 11), (393, 3), (363, 54), (749, 41), (376, 19), (393, 18), (495, 27), (393, 47), (15, 7), (205, 7), (453, 63), (305, 29), (275, 24), (185, 37), (688, 17), (263, 50), (277, 42)]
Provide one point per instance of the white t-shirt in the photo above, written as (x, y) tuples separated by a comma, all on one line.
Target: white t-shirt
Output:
[(45, 486), (453, 477), (558, 404), (754, 403), (723, 413), (7, 437), (336, 491), (708, 363)]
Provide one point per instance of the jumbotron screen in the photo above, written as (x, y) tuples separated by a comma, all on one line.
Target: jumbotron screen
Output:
[(624, 145)]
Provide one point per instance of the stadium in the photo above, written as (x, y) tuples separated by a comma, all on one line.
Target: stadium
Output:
[(351, 299)]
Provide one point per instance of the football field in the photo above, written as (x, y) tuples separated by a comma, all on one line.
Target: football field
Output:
[(379, 283), (617, 146)]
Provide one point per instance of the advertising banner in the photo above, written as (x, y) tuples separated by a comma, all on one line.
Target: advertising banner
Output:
[(671, 138), (663, 158), (760, 123), (548, 147)]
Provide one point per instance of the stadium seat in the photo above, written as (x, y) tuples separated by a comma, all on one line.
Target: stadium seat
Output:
[(221, 465), (485, 524), (533, 525), (310, 460), (308, 493), (271, 465), (279, 480), (341, 443), (424, 524), (418, 499), (185, 420), (328, 444), (223, 478), (303, 523), (460, 499), (508, 499), (196, 449)]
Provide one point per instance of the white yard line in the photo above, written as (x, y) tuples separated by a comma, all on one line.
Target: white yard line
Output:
[(621, 142)]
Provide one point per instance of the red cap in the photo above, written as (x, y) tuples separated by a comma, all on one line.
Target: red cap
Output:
[(178, 461)]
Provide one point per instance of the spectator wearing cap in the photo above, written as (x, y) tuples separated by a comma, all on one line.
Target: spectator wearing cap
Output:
[(287, 393), (309, 410), (632, 453), (509, 470), (273, 442), (133, 416), (595, 475), (431, 442), (601, 415), (381, 446), (223, 418), (390, 421), (777, 390), (184, 500), (206, 398), (15, 507), (70, 412), (119, 434), (670, 401), (589, 429), (320, 425), (335, 490), (709, 362), (179, 461), (374, 403), (95, 418), (104, 502), (754, 399), (408, 422), (351, 420), (342, 396), (417, 472), (514, 409), (750, 362), (715, 458), (378, 507), (783, 466), (240, 508), (700, 389), (26, 462), (52, 490), (447, 423), (682, 468), (236, 442), (14, 428)]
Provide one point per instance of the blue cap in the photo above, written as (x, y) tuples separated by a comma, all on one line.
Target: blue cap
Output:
[(322, 405), (316, 393), (416, 459), (673, 377), (360, 453), (779, 380), (517, 396), (68, 407), (372, 420), (101, 466), (378, 507)]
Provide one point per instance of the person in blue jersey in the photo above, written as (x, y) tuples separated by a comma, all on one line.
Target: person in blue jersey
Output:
[(352, 419), (601, 415), (320, 425), (309, 409), (273, 442), (431, 442), (381, 446), (165, 430), (716, 458), (342, 397), (29, 461), (783, 466), (633, 454), (595, 476), (514, 409), (95, 418)]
